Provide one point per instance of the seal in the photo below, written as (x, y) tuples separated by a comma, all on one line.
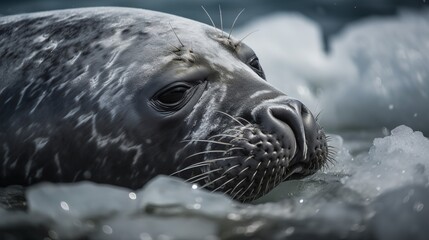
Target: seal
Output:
[(120, 95)]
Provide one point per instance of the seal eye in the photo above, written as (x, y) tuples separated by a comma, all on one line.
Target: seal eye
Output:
[(254, 64), (173, 98)]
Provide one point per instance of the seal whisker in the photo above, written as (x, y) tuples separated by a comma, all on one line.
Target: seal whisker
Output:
[(219, 159), (277, 178), (234, 148), (204, 152), (199, 179), (231, 129), (221, 20), (253, 176), (247, 189), (244, 120), (223, 184), (241, 40), (269, 180), (205, 163), (233, 23), (233, 118), (247, 159), (238, 138), (205, 174), (251, 192), (260, 183), (210, 183), (243, 170), (222, 135), (184, 169), (227, 191), (235, 195), (259, 188), (176, 35), (208, 141), (195, 165), (208, 15), (317, 116), (229, 169), (295, 170), (177, 49), (238, 184)]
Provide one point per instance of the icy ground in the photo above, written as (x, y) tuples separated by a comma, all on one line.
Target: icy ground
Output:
[(376, 78)]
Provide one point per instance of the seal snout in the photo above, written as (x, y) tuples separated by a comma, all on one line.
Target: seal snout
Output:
[(284, 119), (300, 130), (284, 142)]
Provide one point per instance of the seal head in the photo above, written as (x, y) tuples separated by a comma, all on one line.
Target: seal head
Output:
[(119, 96)]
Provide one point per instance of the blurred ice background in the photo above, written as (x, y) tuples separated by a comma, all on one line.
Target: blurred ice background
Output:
[(362, 64)]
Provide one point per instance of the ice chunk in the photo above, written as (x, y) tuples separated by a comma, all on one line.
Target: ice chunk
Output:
[(393, 161), (167, 194), (84, 200)]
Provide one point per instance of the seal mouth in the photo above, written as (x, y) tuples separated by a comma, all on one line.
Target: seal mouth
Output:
[(247, 162)]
